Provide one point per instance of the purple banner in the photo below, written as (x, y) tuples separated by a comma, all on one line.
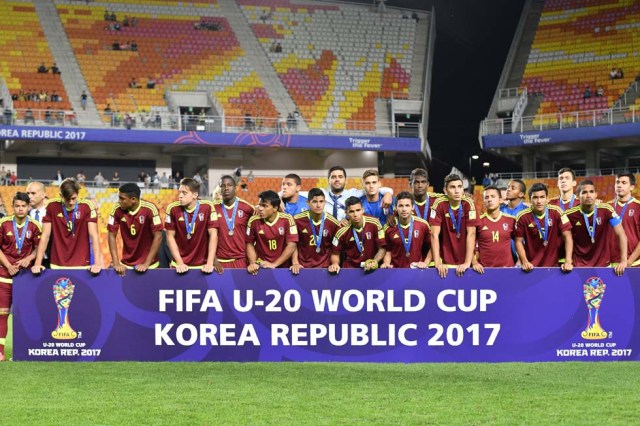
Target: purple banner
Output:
[(244, 139), (387, 316)]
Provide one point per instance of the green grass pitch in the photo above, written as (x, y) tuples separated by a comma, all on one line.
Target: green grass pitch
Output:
[(318, 393)]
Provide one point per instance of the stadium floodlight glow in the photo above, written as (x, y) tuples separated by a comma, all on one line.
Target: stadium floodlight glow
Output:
[(475, 157)]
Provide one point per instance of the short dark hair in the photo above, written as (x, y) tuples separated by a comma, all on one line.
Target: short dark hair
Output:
[(492, 188), (523, 187), (351, 201), (270, 197), (130, 190), (295, 178), (68, 187), (418, 173), (404, 195), (631, 176), (228, 177), (451, 178), (315, 192), (334, 168), (538, 186), (21, 196), (583, 183), (192, 184), (567, 169)]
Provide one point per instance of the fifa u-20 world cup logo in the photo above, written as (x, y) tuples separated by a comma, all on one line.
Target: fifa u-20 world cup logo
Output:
[(62, 294), (593, 291)]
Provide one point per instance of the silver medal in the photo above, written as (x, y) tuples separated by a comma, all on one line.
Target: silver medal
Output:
[(317, 249), (231, 232), (188, 236)]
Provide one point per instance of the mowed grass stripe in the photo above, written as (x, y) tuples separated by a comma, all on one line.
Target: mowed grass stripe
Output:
[(326, 393)]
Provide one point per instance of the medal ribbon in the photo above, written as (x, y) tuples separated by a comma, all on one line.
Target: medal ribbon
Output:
[(20, 239), (358, 243), (230, 220), (73, 216), (573, 199), (406, 241), (624, 208), (457, 223), (544, 232), (190, 225), (591, 230), (426, 210), (318, 237)]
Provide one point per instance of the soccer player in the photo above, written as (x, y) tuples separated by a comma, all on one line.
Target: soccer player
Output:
[(140, 228), (362, 240), (423, 199), (72, 225), (566, 184), (19, 238), (591, 235), (192, 230), (233, 216), (540, 231), (628, 208), (337, 195), (372, 198), (294, 202), (494, 233), (453, 220), (406, 241), (271, 236), (516, 191), (316, 229)]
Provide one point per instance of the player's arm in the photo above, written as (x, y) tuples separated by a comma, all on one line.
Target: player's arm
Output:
[(428, 258), (153, 252), (469, 250), (622, 241), (252, 259), (567, 266), (181, 268), (95, 245), (42, 247), (12, 269), (475, 265), (211, 250), (386, 262), (284, 256), (335, 263), (522, 255), (113, 249), (295, 263), (435, 250)]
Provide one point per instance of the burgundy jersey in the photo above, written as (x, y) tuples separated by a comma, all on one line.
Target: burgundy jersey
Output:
[(564, 206), (493, 240), (594, 253), (631, 224), (232, 247), (453, 245), (537, 253), (420, 242), (371, 237), (422, 209), (9, 246), (270, 239), (136, 229), (70, 245), (308, 256), (193, 247)]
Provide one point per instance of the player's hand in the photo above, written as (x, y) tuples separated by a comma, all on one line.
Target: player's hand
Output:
[(142, 268), (334, 269), (207, 269), (370, 265), (422, 265), (527, 266), (392, 220), (387, 199), (95, 269), (267, 265), (120, 269), (478, 268), (37, 269), (620, 267), (295, 268), (566, 267), (443, 270), (344, 222), (217, 266), (253, 269), (13, 269), (386, 266), (23, 264), (461, 269), (182, 268)]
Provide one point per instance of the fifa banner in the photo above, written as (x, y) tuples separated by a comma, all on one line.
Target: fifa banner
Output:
[(385, 316)]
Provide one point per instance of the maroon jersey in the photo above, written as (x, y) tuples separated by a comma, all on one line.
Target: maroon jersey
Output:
[(631, 225), (453, 245), (9, 246), (422, 209), (193, 247), (493, 240), (136, 228), (371, 237), (70, 245), (537, 253), (564, 206), (420, 242), (232, 247), (594, 253), (270, 239), (308, 256)]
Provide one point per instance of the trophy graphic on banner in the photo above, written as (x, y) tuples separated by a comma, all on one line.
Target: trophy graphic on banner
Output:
[(593, 291), (62, 294)]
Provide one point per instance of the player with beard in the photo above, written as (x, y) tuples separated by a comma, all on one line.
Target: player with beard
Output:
[(628, 208)]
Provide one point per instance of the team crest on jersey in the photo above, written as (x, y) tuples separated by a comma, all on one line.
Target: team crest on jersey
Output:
[(28, 234), (631, 213), (281, 230), (368, 235), (77, 215), (416, 234), (550, 222), (599, 221), (505, 226), (240, 213), (201, 217), (141, 219), (325, 233)]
